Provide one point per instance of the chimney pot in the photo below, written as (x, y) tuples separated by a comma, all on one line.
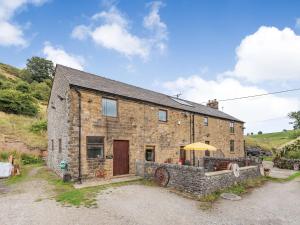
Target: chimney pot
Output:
[(213, 104)]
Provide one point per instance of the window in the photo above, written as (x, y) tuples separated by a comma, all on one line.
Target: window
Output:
[(207, 153), (150, 154), (59, 145), (231, 126), (205, 121), (182, 102), (52, 145), (109, 107), (207, 142), (95, 147), (231, 145), (163, 115)]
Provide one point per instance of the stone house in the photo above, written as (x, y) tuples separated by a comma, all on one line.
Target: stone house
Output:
[(100, 127)]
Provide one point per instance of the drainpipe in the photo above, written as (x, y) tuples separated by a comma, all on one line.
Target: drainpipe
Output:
[(79, 134)]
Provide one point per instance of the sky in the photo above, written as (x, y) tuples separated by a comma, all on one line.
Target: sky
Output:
[(202, 49)]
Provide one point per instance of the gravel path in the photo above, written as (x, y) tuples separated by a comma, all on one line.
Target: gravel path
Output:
[(274, 203)]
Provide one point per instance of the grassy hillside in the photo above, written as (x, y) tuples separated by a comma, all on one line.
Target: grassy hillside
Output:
[(28, 129), (271, 140)]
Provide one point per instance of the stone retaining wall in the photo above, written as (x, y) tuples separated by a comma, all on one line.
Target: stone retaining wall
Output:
[(194, 180)]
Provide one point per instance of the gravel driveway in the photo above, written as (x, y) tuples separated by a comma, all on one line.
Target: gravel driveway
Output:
[(274, 203)]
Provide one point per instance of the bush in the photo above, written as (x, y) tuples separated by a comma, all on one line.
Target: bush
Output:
[(30, 159), (293, 155), (40, 91), (12, 101), (294, 134), (23, 87), (24, 158), (39, 126)]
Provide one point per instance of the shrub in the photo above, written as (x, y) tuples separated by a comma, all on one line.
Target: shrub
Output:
[(293, 155), (13, 101), (23, 87), (294, 134), (30, 159), (40, 91), (39, 126)]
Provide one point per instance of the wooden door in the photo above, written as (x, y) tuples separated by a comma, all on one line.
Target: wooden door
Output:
[(121, 157), (182, 155)]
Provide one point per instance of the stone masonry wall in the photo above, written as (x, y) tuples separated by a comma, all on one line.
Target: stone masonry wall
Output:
[(138, 123), (194, 180), (58, 123)]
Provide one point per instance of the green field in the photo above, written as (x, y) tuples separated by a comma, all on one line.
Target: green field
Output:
[(271, 140)]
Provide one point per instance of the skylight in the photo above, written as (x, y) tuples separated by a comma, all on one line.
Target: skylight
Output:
[(182, 102)]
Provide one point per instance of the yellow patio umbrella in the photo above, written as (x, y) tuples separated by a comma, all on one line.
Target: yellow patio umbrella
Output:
[(199, 146)]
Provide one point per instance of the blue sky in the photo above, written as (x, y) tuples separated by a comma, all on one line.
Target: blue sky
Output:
[(203, 49)]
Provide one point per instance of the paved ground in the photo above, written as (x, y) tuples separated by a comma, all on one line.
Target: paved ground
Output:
[(274, 203)]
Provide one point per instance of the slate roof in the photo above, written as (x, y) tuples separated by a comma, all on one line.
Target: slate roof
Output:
[(98, 83)]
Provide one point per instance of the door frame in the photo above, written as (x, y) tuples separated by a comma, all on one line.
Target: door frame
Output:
[(128, 157)]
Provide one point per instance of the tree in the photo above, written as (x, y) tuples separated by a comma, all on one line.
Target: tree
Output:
[(40, 68), (296, 117), (260, 132)]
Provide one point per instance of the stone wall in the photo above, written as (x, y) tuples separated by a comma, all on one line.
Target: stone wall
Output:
[(210, 163), (58, 123), (284, 163), (194, 180)]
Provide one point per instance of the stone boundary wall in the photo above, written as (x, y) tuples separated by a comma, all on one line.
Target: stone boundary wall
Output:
[(211, 162), (193, 179), (284, 163)]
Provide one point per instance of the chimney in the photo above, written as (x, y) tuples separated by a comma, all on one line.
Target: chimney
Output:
[(213, 104)]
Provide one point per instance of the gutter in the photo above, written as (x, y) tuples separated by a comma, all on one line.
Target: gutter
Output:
[(79, 135)]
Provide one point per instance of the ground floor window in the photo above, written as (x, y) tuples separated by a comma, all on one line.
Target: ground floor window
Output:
[(95, 147), (231, 145), (150, 154)]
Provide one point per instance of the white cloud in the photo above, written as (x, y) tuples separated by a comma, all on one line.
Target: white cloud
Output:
[(60, 56), (12, 34), (114, 32), (153, 22), (268, 54), (267, 113), (80, 32)]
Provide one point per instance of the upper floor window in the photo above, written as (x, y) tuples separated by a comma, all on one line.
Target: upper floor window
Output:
[(95, 147), (231, 126), (109, 107), (163, 115), (205, 121), (231, 145)]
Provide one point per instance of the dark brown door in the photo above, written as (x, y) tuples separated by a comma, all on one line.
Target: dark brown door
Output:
[(182, 155), (121, 158)]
